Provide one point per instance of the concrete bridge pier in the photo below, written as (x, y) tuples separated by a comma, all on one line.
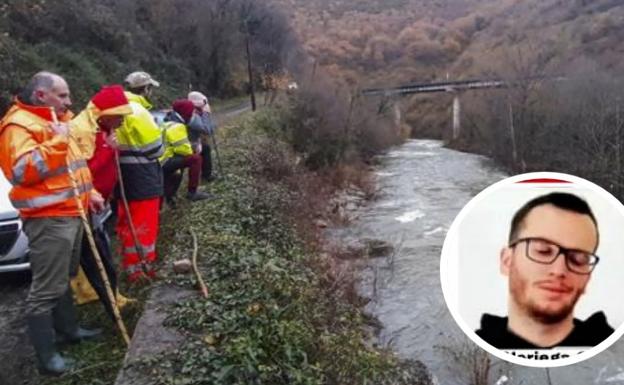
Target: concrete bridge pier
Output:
[(397, 115), (456, 115)]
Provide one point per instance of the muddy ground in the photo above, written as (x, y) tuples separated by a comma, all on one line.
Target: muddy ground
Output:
[(17, 357)]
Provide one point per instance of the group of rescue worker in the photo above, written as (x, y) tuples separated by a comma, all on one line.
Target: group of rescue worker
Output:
[(60, 165)]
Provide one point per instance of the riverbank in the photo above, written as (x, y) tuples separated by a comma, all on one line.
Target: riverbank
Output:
[(278, 312), (275, 314)]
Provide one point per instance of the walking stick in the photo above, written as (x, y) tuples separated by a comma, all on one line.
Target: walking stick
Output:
[(200, 280), (214, 142), (96, 253), (133, 232)]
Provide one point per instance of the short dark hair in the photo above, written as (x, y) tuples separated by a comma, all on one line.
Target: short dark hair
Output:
[(564, 201)]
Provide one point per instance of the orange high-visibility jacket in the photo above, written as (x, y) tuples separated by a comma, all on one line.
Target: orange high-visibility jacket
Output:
[(35, 160)]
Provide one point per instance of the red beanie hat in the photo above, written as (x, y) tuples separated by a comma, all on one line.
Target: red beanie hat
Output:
[(111, 100), (185, 108)]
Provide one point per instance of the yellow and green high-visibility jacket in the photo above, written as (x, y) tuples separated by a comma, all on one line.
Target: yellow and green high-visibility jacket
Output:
[(140, 146), (176, 141)]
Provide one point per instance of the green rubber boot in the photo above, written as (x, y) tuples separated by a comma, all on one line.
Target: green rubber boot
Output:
[(41, 333), (66, 322)]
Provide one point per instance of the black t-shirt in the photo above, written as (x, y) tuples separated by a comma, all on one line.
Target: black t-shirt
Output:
[(590, 332)]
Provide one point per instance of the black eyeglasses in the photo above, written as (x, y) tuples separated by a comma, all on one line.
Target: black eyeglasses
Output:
[(546, 252)]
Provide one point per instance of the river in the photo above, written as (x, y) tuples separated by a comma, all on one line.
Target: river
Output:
[(422, 187)]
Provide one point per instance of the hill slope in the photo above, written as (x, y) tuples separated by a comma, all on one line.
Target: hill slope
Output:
[(405, 40), (186, 43)]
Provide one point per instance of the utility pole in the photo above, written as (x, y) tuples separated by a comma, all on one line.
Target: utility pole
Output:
[(314, 70), (252, 91)]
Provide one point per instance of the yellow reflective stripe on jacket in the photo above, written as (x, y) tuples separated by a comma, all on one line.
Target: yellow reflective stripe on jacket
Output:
[(51, 198)]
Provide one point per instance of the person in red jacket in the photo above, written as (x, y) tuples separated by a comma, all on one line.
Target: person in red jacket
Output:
[(105, 178), (102, 164)]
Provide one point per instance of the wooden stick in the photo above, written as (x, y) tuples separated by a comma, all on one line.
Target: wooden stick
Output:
[(214, 143), (135, 237), (202, 285), (94, 249)]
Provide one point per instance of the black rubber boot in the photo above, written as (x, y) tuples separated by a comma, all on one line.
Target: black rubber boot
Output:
[(66, 322), (41, 333), (199, 196)]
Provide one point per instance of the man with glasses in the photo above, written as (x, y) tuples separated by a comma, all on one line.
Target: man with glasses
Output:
[(548, 261)]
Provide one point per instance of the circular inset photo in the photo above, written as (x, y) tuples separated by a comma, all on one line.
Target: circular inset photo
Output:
[(532, 267)]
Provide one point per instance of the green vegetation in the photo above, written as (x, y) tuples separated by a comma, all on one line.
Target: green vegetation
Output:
[(274, 315), (186, 43), (327, 126), (191, 44), (372, 43)]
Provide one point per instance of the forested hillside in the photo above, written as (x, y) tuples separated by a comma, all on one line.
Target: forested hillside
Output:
[(573, 125), (201, 44), (183, 43), (378, 42), (188, 44), (414, 40)]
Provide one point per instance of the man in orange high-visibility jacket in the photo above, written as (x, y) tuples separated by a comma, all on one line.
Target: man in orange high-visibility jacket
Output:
[(39, 146)]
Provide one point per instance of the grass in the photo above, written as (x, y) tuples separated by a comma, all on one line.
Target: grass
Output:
[(275, 314), (99, 361)]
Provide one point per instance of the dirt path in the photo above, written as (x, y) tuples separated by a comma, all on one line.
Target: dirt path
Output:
[(223, 116), (17, 363)]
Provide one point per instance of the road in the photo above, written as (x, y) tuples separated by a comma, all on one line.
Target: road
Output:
[(226, 114)]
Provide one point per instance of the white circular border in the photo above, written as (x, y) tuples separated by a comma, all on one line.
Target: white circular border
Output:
[(449, 272)]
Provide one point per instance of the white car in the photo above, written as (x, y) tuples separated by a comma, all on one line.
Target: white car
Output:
[(13, 241), (159, 116)]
